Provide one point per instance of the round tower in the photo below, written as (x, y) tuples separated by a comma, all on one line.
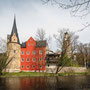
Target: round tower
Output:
[(13, 50)]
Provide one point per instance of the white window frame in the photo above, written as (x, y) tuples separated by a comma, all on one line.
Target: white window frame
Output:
[(22, 66), (28, 52), (22, 60), (32, 44), (28, 44), (27, 59), (34, 59), (41, 59), (41, 66), (40, 51), (28, 66), (22, 52), (34, 52), (33, 66)]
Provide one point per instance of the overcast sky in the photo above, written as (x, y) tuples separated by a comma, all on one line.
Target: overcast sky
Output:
[(33, 14)]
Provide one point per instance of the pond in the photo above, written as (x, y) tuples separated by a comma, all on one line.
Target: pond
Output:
[(46, 83)]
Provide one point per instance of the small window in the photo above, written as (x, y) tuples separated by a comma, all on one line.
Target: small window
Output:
[(30, 39), (41, 59), (27, 59), (34, 59), (34, 52), (22, 59), (14, 51), (40, 66), (33, 66), (27, 66), (32, 44), (28, 44), (27, 52), (22, 52), (40, 51), (22, 66)]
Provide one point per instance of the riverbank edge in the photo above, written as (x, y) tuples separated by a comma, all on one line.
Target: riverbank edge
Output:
[(39, 74)]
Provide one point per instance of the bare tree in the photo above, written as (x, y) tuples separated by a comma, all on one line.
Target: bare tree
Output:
[(40, 34), (76, 6), (60, 43), (4, 56), (83, 54)]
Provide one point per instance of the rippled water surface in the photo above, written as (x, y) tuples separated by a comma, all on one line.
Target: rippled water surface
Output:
[(46, 83)]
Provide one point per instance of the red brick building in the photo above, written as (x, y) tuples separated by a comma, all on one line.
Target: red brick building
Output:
[(33, 55)]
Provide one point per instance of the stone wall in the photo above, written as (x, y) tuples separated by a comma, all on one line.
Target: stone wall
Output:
[(14, 51), (52, 69)]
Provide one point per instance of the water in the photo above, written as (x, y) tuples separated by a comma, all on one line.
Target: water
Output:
[(46, 83)]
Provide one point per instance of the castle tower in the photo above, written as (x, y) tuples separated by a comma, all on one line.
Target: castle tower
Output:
[(13, 50), (67, 45)]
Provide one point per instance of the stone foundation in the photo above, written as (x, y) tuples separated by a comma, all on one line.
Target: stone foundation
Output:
[(52, 69)]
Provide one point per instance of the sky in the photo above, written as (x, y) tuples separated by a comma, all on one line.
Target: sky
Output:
[(34, 14)]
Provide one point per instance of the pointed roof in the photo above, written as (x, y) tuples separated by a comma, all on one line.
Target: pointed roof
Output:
[(14, 30)]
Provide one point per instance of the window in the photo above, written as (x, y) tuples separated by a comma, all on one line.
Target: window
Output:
[(28, 44), (27, 59), (41, 59), (30, 39), (22, 66), (14, 51), (34, 52), (27, 52), (27, 66), (40, 66), (22, 52), (32, 44), (34, 59), (33, 66), (22, 59), (40, 51)]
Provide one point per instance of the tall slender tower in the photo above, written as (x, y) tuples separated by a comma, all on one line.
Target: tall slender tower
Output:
[(67, 45), (13, 50)]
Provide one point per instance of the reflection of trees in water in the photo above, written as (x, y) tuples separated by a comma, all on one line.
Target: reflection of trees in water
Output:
[(46, 83), (69, 83)]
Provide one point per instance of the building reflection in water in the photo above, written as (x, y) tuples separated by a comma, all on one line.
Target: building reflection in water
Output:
[(46, 83)]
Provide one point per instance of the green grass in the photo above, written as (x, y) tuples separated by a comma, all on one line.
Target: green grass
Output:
[(26, 74), (38, 74)]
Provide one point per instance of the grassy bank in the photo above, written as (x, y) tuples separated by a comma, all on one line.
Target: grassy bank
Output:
[(37, 74)]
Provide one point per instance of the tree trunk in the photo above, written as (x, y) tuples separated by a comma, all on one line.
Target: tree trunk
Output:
[(0, 72)]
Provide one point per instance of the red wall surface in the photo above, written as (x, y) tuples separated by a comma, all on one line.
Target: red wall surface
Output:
[(39, 59)]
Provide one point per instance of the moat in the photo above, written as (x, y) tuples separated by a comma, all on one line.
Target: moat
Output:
[(46, 83)]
